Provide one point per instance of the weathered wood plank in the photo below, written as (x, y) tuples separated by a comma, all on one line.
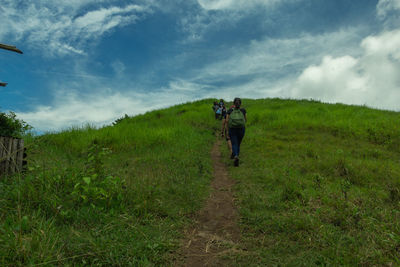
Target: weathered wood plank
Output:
[(10, 48), (9, 142), (12, 155), (20, 154), (13, 159), (2, 161)]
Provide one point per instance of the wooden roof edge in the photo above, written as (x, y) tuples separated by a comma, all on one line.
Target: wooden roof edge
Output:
[(10, 48)]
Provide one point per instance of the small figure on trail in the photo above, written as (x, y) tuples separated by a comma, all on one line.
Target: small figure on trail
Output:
[(218, 113), (215, 106), (223, 112), (222, 109), (225, 131), (216, 109), (236, 118)]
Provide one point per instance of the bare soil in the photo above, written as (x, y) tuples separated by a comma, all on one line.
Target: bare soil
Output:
[(215, 232)]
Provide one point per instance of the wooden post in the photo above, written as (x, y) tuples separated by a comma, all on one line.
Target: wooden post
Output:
[(20, 154), (12, 155), (13, 159), (8, 142), (2, 155)]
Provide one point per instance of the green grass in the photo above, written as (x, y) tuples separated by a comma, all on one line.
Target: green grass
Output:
[(120, 195), (318, 185)]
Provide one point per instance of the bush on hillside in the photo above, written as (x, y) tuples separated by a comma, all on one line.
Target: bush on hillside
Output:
[(119, 120), (10, 126)]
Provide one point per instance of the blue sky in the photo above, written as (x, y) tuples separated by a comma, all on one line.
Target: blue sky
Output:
[(92, 61)]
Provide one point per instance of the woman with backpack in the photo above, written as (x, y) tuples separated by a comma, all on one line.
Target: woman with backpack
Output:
[(236, 118)]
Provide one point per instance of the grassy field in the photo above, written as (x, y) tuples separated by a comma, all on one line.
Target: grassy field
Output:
[(120, 195), (318, 185)]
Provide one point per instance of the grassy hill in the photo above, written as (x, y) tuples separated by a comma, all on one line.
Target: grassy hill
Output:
[(318, 185)]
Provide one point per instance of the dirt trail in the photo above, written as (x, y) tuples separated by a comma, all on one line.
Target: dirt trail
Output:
[(215, 232)]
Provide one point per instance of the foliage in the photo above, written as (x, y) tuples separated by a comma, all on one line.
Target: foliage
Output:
[(114, 196), (10, 126), (119, 120), (94, 187), (318, 185)]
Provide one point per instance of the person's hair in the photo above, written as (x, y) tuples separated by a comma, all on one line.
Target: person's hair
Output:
[(237, 100)]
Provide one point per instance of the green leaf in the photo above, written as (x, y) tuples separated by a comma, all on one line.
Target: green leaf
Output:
[(86, 180)]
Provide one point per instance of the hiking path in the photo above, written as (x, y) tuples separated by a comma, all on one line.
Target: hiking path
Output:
[(215, 232)]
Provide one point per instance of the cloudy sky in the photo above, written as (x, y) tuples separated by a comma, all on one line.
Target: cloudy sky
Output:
[(92, 61)]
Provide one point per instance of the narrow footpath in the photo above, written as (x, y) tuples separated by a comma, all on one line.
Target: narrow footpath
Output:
[(215, 232)]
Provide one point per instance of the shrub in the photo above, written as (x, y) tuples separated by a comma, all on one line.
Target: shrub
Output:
[(11, 126)]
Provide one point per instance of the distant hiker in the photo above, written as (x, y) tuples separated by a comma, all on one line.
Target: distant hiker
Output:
[(221, 109), (218, 113), (224, 127), (223, 113), (225, 131), (236, 118), (216, 110), (215, 106)]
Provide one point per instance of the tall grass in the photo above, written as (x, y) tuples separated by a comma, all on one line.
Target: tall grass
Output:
[(119, 195), (318, 185)]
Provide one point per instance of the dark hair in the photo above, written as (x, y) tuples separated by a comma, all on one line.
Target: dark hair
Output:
[(237, 99)]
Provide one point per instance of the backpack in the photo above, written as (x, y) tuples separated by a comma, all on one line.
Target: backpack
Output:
[(236, 119), (219, 111)]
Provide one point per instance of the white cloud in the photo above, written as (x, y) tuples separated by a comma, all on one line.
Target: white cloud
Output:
[(77, 107), (73, 109), (219, 14), (118, 67), (268, 67), (334, 80), (336, 67), (234, 4), (388, 11), (385, 6), (274, 55), (64, 27), (372, 78), (214, 4)]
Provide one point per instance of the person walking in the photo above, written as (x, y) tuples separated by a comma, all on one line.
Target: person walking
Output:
[(216, 110), (236, 118), (225, 131)]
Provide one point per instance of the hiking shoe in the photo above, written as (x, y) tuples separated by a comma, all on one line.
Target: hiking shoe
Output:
[(236, 161), (232, 156)]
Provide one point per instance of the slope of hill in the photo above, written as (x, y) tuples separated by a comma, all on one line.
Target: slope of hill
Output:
[(318, 185), (119, 195)]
